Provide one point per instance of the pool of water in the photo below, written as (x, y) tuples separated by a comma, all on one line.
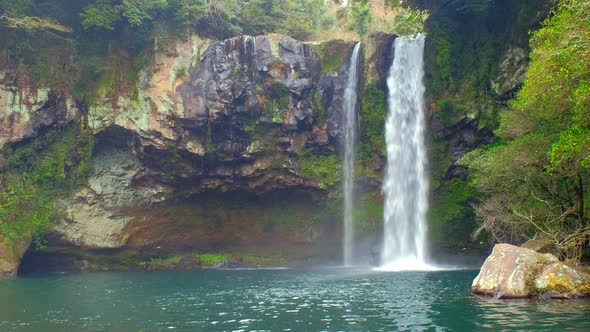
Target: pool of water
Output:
[(273, 300)]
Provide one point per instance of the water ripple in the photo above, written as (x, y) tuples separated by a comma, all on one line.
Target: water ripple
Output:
[(273, 300)]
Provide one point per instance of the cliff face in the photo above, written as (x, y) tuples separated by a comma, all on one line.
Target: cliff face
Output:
[(249, 118), (475, 60)]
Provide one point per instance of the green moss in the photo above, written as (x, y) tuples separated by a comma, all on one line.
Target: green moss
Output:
[(446, 111), (180, 73), (166, 261), (325, 168), (263, 259), (368, 214), (319, 108), (210, 259), (106, 82), (439, 159), (331, 54), (252, 128), (257, 130), (37, 56), (278, 102), (450, 215), (139, 62), (171, 161), (373, 115), (36, 171)]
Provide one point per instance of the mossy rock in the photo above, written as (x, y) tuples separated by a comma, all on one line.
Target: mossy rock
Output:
[(333, 54), (515, 272)]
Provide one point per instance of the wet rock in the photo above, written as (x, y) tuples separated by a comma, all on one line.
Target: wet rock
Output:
[(332, 88), (320, 136), (462, 137), (378, 57), (515, 272), (11, 252), (95, 217), (512, 72), (201, 111), (24, 111)]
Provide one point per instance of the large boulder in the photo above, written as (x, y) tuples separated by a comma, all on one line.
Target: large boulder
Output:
[(515, 272)]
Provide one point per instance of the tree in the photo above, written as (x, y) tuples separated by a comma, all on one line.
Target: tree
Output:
[(362, 16), (105, 14), (101, 14), (407, 21), (297, 18)]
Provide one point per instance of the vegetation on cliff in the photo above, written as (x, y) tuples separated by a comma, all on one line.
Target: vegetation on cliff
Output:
[(535, 179), (466, 45), (33, 173), (220, 18)]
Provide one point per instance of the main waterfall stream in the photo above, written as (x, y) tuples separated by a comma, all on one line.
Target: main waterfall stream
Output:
[(350, 134), (405, 186)]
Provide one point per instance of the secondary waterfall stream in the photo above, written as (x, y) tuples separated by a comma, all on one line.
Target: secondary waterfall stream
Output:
[(350, 134), (405, 186)]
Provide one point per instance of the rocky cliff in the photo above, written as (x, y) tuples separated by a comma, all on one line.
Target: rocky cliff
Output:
[(232, 147), (217, 145)]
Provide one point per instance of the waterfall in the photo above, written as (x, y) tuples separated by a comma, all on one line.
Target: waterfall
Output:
[(350, 135), (405, 186)]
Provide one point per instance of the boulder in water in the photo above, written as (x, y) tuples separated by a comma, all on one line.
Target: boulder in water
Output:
[(515, 272)]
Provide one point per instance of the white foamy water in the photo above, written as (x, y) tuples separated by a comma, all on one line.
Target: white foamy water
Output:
[(406, 184), (350, 125)]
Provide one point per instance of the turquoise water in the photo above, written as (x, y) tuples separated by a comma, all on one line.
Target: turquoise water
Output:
[(273, 300)]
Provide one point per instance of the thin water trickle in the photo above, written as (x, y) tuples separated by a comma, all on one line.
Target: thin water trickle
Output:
[(405, 185), (350, 125)]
